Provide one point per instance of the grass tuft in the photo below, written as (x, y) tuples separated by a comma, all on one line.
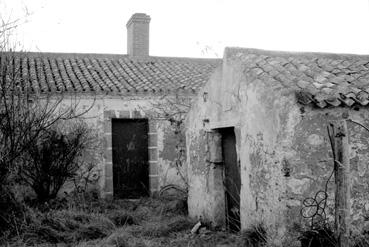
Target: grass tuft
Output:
[(256, 236), (63, 226), (163, 228), (122, 218), (320, 237)]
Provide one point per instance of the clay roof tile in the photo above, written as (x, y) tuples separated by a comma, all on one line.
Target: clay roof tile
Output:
[(74, 73)]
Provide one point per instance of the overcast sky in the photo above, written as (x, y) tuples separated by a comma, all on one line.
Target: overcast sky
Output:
[(193, 28)]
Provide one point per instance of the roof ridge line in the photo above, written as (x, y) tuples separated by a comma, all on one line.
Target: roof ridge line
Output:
[(108, 55), (231, 50)]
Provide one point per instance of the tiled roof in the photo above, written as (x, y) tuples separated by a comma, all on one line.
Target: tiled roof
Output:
[(107, 73), (324, 80)]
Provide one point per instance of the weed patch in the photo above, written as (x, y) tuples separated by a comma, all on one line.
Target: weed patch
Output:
[(255, 236), (63, 226), (122, 218), (320, 237)]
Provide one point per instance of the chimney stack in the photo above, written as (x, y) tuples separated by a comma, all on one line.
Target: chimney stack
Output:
[(138, 35)]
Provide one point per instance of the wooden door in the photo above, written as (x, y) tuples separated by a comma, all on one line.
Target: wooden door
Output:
[(232, 179), (130, 158)]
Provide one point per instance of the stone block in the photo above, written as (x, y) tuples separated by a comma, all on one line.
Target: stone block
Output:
[(124, 114), (109, 155), (153, 154), (109, 114), (136, 114), (109, 196), (108, 184), (107, 126), (154, 183), (153, 140), (109, 169), (108, 141), (153, 126), (153, 168)]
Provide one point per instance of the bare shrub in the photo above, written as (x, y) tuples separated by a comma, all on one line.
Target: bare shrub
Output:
[(361, 241), (26, 117), (52, 159), (86, 193)]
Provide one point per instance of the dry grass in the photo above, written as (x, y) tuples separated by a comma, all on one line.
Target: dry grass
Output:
[(64, 226), (325, 237), (152, 236), (143, 223)]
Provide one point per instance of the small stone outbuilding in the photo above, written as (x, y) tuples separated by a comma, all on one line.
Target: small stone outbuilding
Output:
[(257, 138)]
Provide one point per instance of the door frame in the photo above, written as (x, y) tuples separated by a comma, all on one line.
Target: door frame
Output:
[(106, 183), (221, 131), (220, 207)]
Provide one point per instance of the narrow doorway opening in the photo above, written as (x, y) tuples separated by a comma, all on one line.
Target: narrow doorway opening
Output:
[(232, 179), (130, 158)]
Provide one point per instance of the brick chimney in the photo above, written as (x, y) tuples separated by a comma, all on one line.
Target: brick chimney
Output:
[(138, 35)]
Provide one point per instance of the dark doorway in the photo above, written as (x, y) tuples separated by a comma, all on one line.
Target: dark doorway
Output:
[(232, 180), (130, 158)]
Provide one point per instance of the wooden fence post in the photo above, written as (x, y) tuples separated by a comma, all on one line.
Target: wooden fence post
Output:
[(342, 176)]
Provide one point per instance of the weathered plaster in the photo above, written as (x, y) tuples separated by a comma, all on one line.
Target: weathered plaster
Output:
[(172, 164), (253, 114), (103, 109), (314, 159), (283, 149)]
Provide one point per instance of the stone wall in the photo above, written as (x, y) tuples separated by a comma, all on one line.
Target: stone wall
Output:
[(206, 193), (310, 161), (256, 117), (161, 138), (283, 149)]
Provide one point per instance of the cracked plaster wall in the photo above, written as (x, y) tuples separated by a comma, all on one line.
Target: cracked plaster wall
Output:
[(311, 162), (282, 147)]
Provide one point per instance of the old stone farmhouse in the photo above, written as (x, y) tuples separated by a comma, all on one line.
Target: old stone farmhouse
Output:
[(257, 138), (256, 134), (138, 145)]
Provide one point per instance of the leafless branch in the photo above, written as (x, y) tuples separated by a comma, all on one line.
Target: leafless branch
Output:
[(355, 122)]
